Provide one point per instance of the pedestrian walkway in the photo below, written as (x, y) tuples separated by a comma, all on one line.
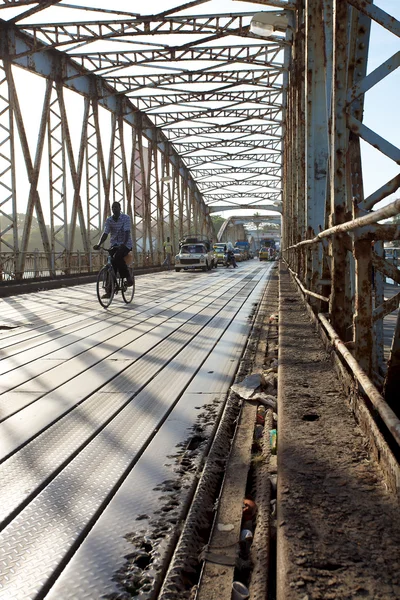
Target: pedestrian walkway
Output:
[(338, 531)]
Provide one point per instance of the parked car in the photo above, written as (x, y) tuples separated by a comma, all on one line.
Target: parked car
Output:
[(195, 256)]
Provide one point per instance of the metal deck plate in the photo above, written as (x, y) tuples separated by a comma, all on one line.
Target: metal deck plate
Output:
[(59, 483)]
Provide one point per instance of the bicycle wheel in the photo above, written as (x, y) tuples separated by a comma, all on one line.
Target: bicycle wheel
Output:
[(128, 292), (105, 285)]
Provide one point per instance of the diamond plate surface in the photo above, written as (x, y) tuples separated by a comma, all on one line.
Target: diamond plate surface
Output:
[(90, 573), (38, 539)]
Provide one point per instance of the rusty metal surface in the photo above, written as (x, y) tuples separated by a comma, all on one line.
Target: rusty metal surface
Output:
[(325, 496)]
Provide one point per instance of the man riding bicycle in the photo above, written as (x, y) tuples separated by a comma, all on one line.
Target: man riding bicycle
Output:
[(119, 226)]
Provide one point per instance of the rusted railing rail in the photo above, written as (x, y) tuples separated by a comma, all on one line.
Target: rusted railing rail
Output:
[(39, 264)]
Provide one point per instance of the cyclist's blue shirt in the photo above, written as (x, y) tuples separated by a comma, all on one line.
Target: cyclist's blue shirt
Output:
[(117, 230)]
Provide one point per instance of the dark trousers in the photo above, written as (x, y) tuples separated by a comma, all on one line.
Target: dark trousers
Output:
[(118, 263)]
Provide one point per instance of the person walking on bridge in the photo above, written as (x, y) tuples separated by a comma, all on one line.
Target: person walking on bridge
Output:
[(168, 254), (119, 226)]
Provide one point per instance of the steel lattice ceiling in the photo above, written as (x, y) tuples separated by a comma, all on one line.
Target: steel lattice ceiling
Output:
[(196, 70)]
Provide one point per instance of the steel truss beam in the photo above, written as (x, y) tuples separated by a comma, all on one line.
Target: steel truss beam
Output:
[(266, 77), (266, 157), (231, 196), (224, 111), (168, 119), (116, 180), (183, 133), (260, 97), (253, 55), (205, 185), (72, 33), (250, 206)]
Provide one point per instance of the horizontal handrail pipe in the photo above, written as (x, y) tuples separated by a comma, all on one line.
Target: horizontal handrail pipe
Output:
[(386, 212), (304, 290), (389, 418), (377, 420)]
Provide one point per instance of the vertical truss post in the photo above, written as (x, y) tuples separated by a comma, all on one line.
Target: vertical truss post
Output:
[(170, 172), (147, 241), (153, 198), (33, 177), (76, 171), (139, 191), (187, 196), (119, 164), (341, 318), (363, 325), (160, 186), (377, 338), (57, 184), (361, 263), (8, 196), (317, 149), (175, 205), (180, 190), (93, 179), (300, 214)]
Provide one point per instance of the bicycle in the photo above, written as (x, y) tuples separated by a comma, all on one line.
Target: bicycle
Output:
[(109, 282)]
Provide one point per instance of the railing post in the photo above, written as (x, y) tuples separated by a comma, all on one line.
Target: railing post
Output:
[(363, 325), (378, 282), (35, 262)]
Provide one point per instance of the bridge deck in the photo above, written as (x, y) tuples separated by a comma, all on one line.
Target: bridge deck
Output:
[(94, 406), (91, 403)]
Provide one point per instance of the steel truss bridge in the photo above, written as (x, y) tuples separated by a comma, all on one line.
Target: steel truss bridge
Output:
[(177, 115)]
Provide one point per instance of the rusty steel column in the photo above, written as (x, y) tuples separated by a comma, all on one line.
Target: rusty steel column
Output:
[(8, 197), (363, 324), (317, 147), (341, 319)]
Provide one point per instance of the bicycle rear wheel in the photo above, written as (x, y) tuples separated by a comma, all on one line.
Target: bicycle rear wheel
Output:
[(128, 292), (105, 286)]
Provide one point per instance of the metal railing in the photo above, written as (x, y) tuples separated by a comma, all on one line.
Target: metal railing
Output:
[(357, 309), (39, 264)]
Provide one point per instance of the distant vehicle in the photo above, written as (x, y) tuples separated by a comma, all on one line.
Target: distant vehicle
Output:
[(392, 254), (244, 246), (196, 255), (268, 243), (238, 255), (196, 239), (219, 251), (267, 253)]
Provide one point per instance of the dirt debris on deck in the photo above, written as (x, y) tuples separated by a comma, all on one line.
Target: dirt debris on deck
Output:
[(338, 526)]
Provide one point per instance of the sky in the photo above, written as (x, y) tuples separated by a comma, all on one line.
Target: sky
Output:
[(381, 103), (381, 106)]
